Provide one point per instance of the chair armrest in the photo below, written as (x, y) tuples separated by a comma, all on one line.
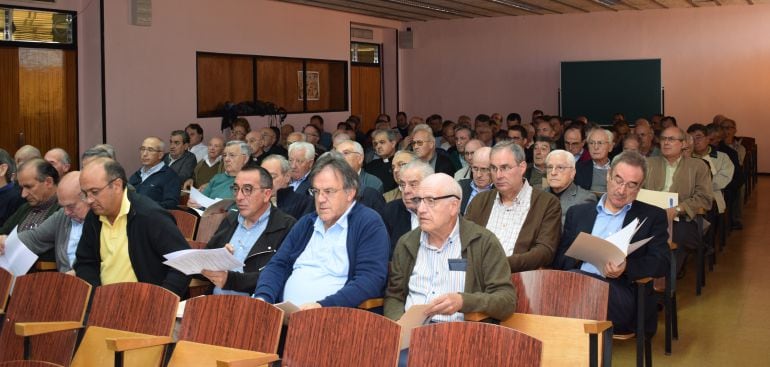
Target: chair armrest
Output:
[(371, 303), (131, 343), (672, 245), (596, 327), (249, 362), (26, 329), (476, 316), (195, 282), (643, 280)]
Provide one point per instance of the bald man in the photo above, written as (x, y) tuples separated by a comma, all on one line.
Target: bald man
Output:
[(155, 179), (482, 177), (61, 231), (60, 160)]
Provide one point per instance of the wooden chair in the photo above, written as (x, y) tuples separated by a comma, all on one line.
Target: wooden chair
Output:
[(339, 336), (28, 364), (6, 279), (186, 222), (48, 308), (472, 344), (208, 225), (198, 287), (227, 329)]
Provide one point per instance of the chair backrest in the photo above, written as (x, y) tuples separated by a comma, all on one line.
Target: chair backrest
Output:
[(28, 364), (472, 344), (6, 278), (44, 297), (186, 222), (337, 336), (561, 293), (232, 321), (208, 226)]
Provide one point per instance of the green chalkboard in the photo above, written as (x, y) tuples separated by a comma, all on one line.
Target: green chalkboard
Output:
[(598, 89)]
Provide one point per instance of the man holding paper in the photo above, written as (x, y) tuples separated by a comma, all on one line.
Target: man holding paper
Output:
[(235, 155), (617, 208)]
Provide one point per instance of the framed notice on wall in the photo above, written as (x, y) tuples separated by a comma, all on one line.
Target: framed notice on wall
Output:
[(313, 85)]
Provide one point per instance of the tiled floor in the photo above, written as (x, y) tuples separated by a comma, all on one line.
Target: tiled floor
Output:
[(729, 324)]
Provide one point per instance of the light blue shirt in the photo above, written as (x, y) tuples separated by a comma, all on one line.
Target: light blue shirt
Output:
[(322, 268), (606, 224), (295, 183), (243, 240), (76, 230), (475, 191), (144, 173)]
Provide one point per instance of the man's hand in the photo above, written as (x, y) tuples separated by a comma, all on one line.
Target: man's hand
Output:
[(446, 304), (230, 248), (193, 204), (613, 271), (219, 278), (187, 184), (2, 244), (309, 306)]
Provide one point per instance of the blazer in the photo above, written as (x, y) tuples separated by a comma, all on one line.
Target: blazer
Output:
[(692, 182), (584, 174), (722, 170), (162, 186), (184, 166), (294, 204), (465, 185), (52, 234), (443, 164), (278, 225), (398, 221), (370, 180), (303, 187), (382, 169), (539, 235), (573, 195)]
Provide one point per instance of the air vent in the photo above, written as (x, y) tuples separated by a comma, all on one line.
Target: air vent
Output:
[(362, 33)]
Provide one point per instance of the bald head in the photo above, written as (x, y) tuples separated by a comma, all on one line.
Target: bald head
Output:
[(60, 160), (470, 149), (69, 184), (439, 216), (442, 184), (26, 153), (68, 194)]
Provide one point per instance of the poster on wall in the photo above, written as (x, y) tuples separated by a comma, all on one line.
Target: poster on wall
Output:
[(313, 85)]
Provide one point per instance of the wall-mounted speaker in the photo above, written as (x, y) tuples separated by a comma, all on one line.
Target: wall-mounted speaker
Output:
[(141, 12)]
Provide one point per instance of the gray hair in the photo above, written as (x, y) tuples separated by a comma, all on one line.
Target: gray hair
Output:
[(183, 134), (94, 153), (65, 157), (562, 153), (285, 165), (245, 148), (390, 134), (410, 153), (633, 159), (336, 161), (609, 134), (299, 145), (425, 128), (107, 148), (425, 169), (356, 146), (515, 149), (302, 136), (6, 158)]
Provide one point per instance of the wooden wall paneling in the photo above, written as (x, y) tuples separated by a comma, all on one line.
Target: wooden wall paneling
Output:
[(366, 94), (324, 86), (332, 86), (70, 138), (223, 78), (9, 99), (277, 82)]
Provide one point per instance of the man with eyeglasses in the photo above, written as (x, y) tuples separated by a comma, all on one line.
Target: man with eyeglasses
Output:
[(463, 134), (719, 163), (400, 159), (155, 179), (574, 142), (126, 234), (526, 221), (592, 174), (284, 197), (301, 158), (449, 263), (535, 173), (424, 145), (469, 152), (253, 234), (337, 256), (646, 136), (384, 142), (235, 156), (519, 135), (178, 157), (400, 216), (616, 209), (560, 170), (313, 136), (38, 180), (690, 179), (736, 190), (256, 145), (61, 231), (482, 178), (354, 155)]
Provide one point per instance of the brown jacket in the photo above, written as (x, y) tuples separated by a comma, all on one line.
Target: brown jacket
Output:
[(692, 181), (540, 233)]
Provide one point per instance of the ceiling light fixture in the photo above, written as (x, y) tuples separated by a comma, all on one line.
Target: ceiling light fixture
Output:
[(426, 6), (516, 4)]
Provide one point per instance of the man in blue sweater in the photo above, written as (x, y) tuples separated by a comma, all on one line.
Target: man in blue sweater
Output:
[(337, 256)]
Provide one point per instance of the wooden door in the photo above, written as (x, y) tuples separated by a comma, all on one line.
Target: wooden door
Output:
[(366, 94), (38, 99)]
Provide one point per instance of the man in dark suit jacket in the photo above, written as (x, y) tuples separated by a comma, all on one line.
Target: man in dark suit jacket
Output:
[(155, 179), (178, 157), (617, 208), (284, 197), (590, 174), (482, 178), (424, 145), (400, 216)]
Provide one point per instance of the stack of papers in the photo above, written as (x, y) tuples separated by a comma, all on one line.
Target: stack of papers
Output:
[(194, 261), (17, 258), (598, 252), (210, 205)]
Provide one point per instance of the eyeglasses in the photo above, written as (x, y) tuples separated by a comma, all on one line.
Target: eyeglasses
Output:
[(246, 190), (85, 194), (149, 150), (349, 152), (431, 202), (232, 156), (559, 169), (322, 192), (596, 143), (502, 169), (399, 164), (418, 143), (483, 170), (402, 185), (629, 185), (670, 139)]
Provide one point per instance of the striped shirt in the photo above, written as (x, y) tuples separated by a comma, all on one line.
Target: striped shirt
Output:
[(506, 221), (431, 276)]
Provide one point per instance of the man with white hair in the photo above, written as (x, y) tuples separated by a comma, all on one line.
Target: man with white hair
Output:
[(155, 179), (424, 145), (560, 170), (354, 155), (400, 216), (60, 160), (301, 158), (400, 159), (592, 174), (482, 178), (26, 153), (384, 142), (284, 197), (468, 153)]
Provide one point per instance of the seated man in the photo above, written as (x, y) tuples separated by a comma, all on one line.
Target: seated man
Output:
[(721, 167), (535, 174), (337, 256), (60, 160), (125, 235), (575, 142), (38, 180), (313, 136), (301, 158), (270, 137), (560, 167), (26, 153), (646, 136), (61, 231), (400, 216), (256, 143), (400, 159), (384, 142), (252, 234), (615, 209), (354, 155), (10, 193), (526, 221), (424, 146), (155, 179), (178, 157), (284, 197), (449, 263), (209, 165), (468, 153), (235, 156), (592, 174), (482, 179), (197, 146)]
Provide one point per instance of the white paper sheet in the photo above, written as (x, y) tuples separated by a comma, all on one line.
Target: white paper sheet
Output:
[(202, 200), (17, 258), (288, 309), (194, 261), (615, 248)]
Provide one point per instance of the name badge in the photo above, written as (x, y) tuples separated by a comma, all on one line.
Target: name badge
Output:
[(458, 264)]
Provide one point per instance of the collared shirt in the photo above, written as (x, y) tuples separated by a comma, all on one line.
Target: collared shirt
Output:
[(506, 221), (322, 268), (200, 150), (76, 231), (219, 186), (579, 154), (213, 163), (414, 219), (670, 169), (475, 191), (431, 276), (295, 183), (147, 172), (116, 265), (606, 224), (243, 240), (37, 215), (432, 161)]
